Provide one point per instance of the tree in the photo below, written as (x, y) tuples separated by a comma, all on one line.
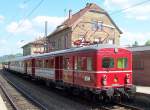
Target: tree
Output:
[(135, 43), (147, 43)]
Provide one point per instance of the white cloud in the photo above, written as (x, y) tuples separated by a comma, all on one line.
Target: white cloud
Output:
[(128, 38), (1, 18), (3, 41), (20, 43), (52, 21), (24, 26), (111, 3), (22, 5), (140, 12), (34, 26)]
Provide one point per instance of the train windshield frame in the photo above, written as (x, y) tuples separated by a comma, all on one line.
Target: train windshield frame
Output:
[(108, 62), (122, 63)]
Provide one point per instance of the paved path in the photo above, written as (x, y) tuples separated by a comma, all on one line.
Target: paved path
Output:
[(2, 104), (143, 89)]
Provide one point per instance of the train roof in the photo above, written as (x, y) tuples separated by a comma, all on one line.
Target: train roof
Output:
[(76, 49), (22, 58), (139, 48)]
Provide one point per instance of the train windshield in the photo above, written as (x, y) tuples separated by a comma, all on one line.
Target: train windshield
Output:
[(122, 63), (108, 62)]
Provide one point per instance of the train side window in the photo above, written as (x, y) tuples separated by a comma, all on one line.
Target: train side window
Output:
[(66, 63), (28, 63), (51, 63), (37, 63), (89, 63), (108, 62), (122, 63), (75, 63), (46, 63), (40, 63), (81, 63)]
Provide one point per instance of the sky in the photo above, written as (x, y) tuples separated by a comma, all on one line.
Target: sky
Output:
[(22, 21)]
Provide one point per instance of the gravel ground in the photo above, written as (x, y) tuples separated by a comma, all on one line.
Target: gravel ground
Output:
[(6, 101), (51, 100), (21, 102), (55, 101), (142, 101)]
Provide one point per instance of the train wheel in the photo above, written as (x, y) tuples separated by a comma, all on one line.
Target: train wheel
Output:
[(47, 83), (95, 98), (75, 91)]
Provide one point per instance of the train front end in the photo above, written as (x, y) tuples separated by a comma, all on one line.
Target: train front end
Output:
[(114, 73)]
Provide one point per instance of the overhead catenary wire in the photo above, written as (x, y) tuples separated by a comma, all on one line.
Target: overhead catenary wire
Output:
[(26, 16), (113, 13), (127, 8)]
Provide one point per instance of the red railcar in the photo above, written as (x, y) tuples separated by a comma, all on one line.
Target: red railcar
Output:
[(103, 70)]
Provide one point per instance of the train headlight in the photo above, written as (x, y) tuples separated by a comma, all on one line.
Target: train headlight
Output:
[(127, 79), (104, 80)]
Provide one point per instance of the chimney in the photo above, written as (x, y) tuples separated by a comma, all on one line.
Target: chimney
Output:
[(46, 28), (87, 4), (70, 14)]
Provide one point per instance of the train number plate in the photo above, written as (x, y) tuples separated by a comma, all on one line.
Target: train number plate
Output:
[(115, 84), (87, 78)]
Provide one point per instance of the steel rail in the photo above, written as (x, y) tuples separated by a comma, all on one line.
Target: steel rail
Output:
[(26, 94), (8, 96), (129, 106), (121, 105)]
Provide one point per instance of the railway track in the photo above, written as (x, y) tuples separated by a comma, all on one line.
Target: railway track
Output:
[(47, 97), (15, 96), (10, 99), (119, 106)]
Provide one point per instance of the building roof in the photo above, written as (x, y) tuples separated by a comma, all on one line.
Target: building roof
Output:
[(89, 7), (139, 48)]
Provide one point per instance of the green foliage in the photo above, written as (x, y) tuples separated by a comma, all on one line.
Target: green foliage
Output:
[(147, 42), (135, 43), (9, 57)]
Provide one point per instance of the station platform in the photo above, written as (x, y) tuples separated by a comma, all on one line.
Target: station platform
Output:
[(143, 89), (2, 104)]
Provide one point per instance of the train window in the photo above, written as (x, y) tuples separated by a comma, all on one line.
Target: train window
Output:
[(51, 63), (39, 63), (75, 67), (108, 62), (29, 64), (122, 63), (81, 63), (46, 63), (66, 63), (89, 63)]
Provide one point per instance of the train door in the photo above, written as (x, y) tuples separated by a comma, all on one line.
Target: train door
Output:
[(25, 67), (33, 67), (58, 68)]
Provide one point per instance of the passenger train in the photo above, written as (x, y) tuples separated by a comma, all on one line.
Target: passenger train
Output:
[(102, 71)]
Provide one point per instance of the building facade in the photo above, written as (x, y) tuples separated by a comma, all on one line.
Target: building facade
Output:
[(35, 47), (90, 25)]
